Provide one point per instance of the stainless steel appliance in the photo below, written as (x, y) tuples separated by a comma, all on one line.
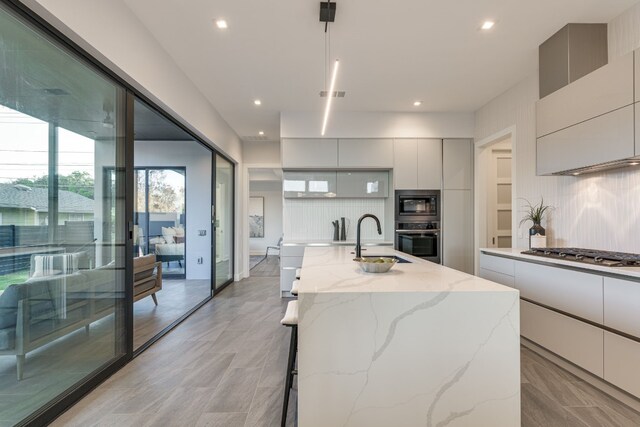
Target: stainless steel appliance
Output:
[(589, 256), (417, 205), (417, 223)]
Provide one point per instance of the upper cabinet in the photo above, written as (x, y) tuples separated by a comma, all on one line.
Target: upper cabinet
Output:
[(429, 164), (301, 153), (417, 164), (361, 184), (457, 164), (365, 153), (589, 123)]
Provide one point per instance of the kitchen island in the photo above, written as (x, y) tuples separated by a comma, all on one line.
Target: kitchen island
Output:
[(422, 345)]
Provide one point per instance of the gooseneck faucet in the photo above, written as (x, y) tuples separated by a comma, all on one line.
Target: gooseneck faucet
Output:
[(358, 245)]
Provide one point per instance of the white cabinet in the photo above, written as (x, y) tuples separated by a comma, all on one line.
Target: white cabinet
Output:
[(457, 165), (365, 153), (606, 89), (622, 305), (606, 138), (312, 184), (429, 164), (576, 341), (301, 153), (361, 184), (457, 230), (405, 164), (621, 357), (570, 291), (417, 164)]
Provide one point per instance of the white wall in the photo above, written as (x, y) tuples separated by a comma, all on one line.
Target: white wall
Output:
[(197, 160), (272, 193), (377, 125), (599, 211)]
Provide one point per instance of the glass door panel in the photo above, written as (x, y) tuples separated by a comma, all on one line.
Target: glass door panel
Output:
[(223, 222), (62, 216)]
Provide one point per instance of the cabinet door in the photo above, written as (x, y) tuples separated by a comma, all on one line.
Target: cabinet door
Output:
[(457, 230), (570, 291), (457, 164), (576, 341), (309, 184), (430, 164), (309, 153), (622, 305), (621, 356), (365, 153), (603, 139), (358, 184), (405, 164)]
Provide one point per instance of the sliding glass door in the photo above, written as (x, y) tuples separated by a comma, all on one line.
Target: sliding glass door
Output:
[(62, 216), (223, 208)]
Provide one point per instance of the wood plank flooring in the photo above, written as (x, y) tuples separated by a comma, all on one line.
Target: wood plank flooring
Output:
[(224, 366)]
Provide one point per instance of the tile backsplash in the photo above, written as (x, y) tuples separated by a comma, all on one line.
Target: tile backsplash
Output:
[(310, 219)]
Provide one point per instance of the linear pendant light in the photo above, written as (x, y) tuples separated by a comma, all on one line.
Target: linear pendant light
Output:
[(330, 96)]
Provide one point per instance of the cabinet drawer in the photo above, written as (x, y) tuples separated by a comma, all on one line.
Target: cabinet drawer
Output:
[(291, 261), (567, 290), (576, 341), (494, 276), (622, 305), (292, 250), (621, 356), (497, 264)]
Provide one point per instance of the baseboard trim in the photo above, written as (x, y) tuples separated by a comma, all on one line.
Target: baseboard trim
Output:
[(595, 381)]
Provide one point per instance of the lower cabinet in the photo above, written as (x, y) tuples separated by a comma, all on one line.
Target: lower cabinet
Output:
[(621, 359), (572, 339)]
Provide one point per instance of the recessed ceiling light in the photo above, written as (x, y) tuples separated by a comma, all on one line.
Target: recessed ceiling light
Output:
[(257, 102), (417, 103), (222, 24), (261, 133), (487, 25)]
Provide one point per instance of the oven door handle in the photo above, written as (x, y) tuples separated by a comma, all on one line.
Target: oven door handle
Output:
[(429, 231)]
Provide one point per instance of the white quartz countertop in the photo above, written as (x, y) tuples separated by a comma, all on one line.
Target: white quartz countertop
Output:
[(516, 253), (332, 270)]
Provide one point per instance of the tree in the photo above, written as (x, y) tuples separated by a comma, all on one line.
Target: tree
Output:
[(79, 182)]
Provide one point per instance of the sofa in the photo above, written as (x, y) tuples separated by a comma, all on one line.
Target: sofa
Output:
[(45, 308), (49, 306)]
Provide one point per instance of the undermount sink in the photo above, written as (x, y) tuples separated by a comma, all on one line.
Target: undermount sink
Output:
[(398, 259)]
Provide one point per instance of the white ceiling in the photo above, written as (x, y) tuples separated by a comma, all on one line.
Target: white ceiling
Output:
[(391, 52)]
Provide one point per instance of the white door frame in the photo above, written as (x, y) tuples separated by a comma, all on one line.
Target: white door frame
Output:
[(245, 210), (481, 160)]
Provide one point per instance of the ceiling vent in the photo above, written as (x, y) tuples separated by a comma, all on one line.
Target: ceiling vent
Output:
[(336, 93), (256, 138), (55, 91)]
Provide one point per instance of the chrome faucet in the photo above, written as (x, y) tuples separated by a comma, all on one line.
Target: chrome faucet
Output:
[(358, 245)]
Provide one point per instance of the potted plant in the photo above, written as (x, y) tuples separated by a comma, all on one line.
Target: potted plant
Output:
[(535, 214)]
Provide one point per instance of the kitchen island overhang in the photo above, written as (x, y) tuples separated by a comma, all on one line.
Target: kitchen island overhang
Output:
[(420, 345)]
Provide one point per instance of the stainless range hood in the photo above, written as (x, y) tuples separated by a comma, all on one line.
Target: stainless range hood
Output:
[(588, 124)]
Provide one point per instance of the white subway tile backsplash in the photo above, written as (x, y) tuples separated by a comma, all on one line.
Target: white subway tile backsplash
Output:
[(310, 219)]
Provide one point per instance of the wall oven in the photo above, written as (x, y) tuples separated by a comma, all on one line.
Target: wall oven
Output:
[(417, 223)]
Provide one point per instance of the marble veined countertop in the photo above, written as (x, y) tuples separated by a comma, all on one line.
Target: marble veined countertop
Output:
[(593, 268), (332, 269)]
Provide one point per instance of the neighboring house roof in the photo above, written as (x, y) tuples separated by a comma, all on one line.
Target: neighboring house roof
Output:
[(23, 197)]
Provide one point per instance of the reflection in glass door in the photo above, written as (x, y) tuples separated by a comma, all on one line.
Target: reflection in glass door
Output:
[(223, 222)]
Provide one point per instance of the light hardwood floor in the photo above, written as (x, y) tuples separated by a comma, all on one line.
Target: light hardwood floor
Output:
[(224, 366)]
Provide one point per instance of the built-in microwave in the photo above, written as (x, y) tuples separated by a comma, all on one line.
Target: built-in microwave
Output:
[(417, 205)]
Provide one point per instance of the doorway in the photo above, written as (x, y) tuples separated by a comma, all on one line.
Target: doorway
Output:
[(495, 178)]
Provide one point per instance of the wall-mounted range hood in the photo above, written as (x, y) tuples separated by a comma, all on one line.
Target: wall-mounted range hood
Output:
[(585, 119)]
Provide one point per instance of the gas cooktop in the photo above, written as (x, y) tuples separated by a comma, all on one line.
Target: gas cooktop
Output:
[(589, 256)]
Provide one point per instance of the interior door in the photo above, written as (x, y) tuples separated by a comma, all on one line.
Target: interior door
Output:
[(499, 200)]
